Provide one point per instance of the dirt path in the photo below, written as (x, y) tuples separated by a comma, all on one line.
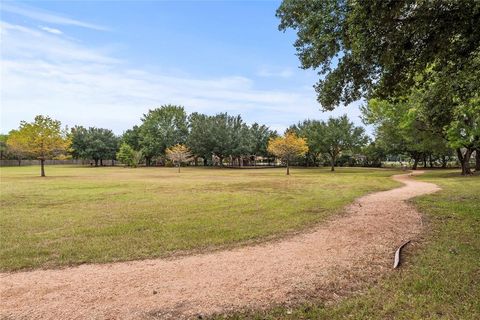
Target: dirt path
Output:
[(334, 256)]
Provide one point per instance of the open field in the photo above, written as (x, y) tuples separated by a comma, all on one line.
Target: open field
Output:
[(80, 214), (441, 275)]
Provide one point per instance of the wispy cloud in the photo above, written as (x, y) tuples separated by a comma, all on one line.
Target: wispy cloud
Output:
[(268, 72), (51, 30), (44, 73), (48, 17)]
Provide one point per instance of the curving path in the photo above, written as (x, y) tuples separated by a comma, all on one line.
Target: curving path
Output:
[(332, 259)]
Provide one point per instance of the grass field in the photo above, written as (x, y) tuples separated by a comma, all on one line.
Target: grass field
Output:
[(440, 278), (82, 214)]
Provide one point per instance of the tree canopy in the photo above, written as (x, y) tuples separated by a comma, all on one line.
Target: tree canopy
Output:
[(179, 154), (43, 139), (376, 48), (96, 144), (288, 147), (161, 128)]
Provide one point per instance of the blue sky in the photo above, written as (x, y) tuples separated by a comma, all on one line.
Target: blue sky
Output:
[(106, 63)]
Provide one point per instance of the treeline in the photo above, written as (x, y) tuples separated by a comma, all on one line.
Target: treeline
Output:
[(223, 139)]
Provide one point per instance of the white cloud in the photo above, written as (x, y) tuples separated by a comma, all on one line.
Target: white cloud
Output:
[(51, 30), (48, 17), (268, 72), (43, 73)]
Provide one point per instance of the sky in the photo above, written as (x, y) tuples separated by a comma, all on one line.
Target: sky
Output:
[(105, 64)]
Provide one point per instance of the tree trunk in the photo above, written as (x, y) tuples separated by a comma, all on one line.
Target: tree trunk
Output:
[(424, 161), (415, 162), (101, 162), (195, 160), (332, 164), (477, 160), (96, 162), (42, 167), (444, 162), (465, 161), (19, 162), (288, 169), (221, 161), (430, 160), (179, 165)]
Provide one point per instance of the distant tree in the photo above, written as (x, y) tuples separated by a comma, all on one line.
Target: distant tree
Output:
[(14, 147), (288, 148), (375, 49), (313, 132), (221, 137), (242, 142), (95, 144), (199, 139), (401, 128), (3, 145), (43, 138), (128, 156), (179, 154), (161, 128), (341, 135), (373, 155), (132, 137), (259, 137)]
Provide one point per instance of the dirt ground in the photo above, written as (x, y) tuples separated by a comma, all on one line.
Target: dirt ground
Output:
[(331, 259)]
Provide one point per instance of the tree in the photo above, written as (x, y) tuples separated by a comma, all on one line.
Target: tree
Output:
[(161, 128), (241, 140), (341, 135), (43, 138), (288, 148), (220, 135), (132, 138), (259, 136), (97, 144), (376, 48), (373, 155), (399, 130), (464, 133), (313, 132), (199, 140), (128, 156), (3, 145), (15, 147), (179, 154)]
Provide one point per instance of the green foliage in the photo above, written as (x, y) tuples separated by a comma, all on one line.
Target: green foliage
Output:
[(377, 48), (340, 135), (3, 145), (132, 137), (331, 138), (161, 128), (400, 128), (313, 132), (373, 155), (128, 156), (93, 143), (43, 139), (223, 135)]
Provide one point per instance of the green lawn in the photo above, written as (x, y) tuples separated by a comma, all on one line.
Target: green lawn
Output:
[(439, 280), (83, 214)]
